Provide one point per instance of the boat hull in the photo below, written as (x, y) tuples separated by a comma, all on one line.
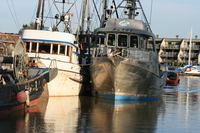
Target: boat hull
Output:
[(192, 70), (65, 84), (123, 80), (68, 80), (35, 87), (173, 78)]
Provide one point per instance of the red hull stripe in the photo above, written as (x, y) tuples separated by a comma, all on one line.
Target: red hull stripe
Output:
[(21, 106)]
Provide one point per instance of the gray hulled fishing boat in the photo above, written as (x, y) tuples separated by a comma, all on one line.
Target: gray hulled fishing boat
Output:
[(125, 64)]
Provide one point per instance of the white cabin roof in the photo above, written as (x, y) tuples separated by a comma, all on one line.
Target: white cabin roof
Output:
[(50, 36)]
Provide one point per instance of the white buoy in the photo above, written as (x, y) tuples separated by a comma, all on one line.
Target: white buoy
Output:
[(27, 100)]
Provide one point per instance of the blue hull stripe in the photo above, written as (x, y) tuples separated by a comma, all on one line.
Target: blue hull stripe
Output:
[(118, 102), (120, 97)]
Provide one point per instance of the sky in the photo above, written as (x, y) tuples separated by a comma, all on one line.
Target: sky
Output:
[(167, 18)]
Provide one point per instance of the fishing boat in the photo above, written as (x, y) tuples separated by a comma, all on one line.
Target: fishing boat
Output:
[(125, 66), (47, 44), (22, 86)]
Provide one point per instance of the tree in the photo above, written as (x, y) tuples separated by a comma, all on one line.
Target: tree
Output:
[(25, 26)]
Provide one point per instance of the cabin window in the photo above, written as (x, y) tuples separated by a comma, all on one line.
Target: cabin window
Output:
[(122, 40), (133, 41), (34, 47), (68, 50), (101, 40), (27, 44), (111, 39), (143, 43), (150, 44), (62, 49), (55, 49), (44, 48)]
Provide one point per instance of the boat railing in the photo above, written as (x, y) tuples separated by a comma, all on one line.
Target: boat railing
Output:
[(53, 64)]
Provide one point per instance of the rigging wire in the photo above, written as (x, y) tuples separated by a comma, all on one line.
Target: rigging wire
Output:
[(144, 16), (118, 6), (56, 7), (13, 16), (33, 16), (94, 17), (77, 15), (96, 10), (71, 6), (115, 6), (49, 14)]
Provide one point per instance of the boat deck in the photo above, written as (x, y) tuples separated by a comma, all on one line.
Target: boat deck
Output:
[(189, 74)]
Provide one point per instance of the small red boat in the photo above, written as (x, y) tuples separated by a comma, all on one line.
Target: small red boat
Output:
[(172, 77)]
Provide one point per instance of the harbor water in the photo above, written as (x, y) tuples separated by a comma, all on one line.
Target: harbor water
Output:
[(178, 110)]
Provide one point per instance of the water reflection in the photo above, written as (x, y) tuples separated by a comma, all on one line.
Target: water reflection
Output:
[(189, 86), (23, 121), (177, 111), (182, 106), (62, 114), (110, 116)]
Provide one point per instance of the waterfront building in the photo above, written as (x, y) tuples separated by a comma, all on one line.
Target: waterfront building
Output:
[(7, 43), (175, 51)]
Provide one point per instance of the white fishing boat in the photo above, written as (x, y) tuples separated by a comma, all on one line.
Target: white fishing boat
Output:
[(46, 44), (125, 66)]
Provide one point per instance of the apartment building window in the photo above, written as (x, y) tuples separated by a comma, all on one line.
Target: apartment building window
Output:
[(1, 51)]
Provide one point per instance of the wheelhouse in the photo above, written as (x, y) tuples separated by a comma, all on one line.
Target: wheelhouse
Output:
[(123, 40)]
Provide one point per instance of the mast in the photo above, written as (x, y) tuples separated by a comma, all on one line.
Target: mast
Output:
[(88, 28), (103, 17), (64, 16), (42, 15), (84, 4), (190, 46), (88, 17), (37, 21), (131, 7)]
